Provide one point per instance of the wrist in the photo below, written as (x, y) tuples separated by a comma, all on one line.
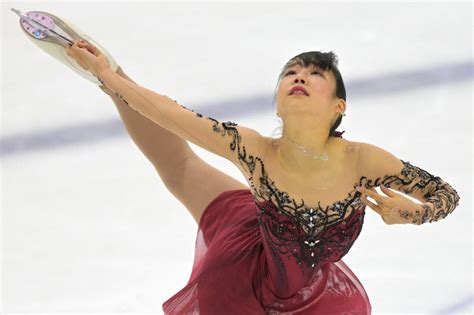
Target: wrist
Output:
[(103, 76), (426, 212)]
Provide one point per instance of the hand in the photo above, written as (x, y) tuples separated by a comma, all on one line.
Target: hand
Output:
[(394, 209), (88, 57)]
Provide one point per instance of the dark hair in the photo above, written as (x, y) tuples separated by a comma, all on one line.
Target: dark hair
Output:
[(325, 61)]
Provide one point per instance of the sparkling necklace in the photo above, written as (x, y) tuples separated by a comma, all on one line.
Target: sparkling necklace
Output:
[(323, 157)]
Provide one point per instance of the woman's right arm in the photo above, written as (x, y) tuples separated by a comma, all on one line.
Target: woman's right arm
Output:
[(164, 149), (181, 170)]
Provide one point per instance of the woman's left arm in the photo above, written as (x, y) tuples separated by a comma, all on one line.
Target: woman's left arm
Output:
[(383, 169), (227, 139)]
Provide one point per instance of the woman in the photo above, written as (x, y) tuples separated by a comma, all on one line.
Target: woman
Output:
[(275, 247)]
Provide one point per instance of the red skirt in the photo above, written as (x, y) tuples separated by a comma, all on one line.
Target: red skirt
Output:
[(230, 273)]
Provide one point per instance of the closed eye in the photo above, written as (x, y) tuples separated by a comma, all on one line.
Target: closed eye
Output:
[(292, 71)]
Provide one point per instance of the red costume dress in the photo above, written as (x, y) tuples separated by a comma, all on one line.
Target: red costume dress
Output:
[(258, 251), (254, 257)]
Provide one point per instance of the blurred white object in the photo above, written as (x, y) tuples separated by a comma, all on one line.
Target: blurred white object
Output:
[(53, 35)]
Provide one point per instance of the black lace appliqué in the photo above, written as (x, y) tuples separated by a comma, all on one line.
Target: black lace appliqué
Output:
[(312, 219), (315, 234), (434, 189)]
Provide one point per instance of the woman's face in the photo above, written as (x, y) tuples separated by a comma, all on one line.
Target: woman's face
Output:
[(319, 84)]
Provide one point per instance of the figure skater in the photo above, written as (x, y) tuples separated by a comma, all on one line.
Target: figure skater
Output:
[(274, 246)]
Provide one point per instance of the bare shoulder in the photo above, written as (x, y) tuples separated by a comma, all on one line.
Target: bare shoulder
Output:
[(376, 162), (350, 147)]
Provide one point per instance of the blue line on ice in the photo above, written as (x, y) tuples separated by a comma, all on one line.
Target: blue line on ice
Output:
[(244, 107)]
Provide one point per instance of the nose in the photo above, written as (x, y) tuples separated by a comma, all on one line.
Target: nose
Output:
[(298, 78)]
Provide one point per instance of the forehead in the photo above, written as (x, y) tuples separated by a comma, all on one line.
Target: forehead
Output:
[(297, 65)]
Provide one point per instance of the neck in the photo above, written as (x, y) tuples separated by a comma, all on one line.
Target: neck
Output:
[(317, 143)]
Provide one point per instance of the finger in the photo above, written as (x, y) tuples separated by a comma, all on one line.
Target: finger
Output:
[(76, 44), (90, 48), (81, 51), (372, 193), (372, 205), (381, 211), (74, 47), (380, 198), (82, 45), (387, 191), (83, 41), (71, 50)]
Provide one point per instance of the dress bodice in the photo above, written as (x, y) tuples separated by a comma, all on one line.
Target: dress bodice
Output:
[(302, 238), (331, 243), (296, 256)]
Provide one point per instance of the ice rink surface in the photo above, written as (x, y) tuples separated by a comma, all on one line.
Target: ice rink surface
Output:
[(87, 224)]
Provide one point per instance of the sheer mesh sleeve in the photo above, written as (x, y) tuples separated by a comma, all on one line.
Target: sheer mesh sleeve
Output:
[(226, 139), (440, 198)]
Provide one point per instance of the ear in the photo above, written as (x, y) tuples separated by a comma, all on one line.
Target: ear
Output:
[(341, 105)]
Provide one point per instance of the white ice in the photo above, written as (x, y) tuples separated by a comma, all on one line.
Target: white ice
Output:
[(90, 227)]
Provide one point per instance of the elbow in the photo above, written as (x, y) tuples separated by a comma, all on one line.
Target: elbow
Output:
[(456, 199), (442, 203), (453, 196)]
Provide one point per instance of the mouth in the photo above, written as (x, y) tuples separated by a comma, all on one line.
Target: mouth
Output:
[(298, 90), (296, 93)]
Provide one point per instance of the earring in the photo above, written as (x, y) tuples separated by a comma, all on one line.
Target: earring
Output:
[(343, 114)]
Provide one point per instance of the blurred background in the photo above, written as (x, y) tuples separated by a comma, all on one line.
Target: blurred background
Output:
[(88, 225)]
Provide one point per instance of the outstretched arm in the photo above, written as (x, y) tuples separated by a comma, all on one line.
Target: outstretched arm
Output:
[(164, 149), (226, 139), (382, 168)]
